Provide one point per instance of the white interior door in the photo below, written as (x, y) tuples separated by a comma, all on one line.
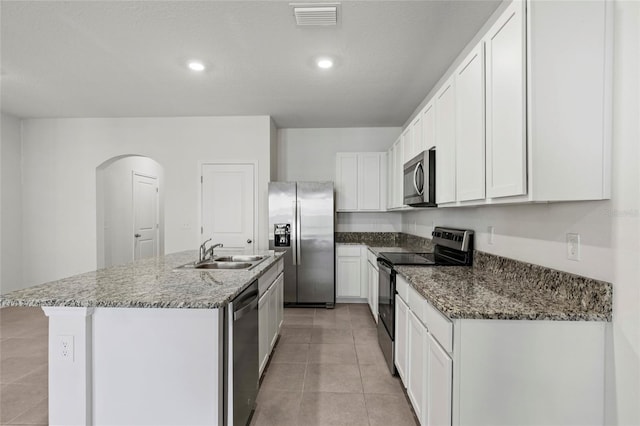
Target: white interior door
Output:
[(228, 197), (145, 216)]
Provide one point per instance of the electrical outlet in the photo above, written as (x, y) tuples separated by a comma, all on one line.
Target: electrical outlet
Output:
[(490, 232), (573, 247), (65, 348)]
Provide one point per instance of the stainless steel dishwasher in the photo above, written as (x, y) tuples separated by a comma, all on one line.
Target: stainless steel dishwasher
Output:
[(242, 373)]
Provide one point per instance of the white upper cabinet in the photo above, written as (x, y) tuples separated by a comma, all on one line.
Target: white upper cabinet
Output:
[(371, 182), (398, 174), (361, 181), (428, 139), (526, 114), (505, 87), (347, 181), (570, 57), (407, 144), (470, 174), (445, 144)]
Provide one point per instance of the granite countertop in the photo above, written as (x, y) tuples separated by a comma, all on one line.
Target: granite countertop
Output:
[(495, 287), (148, 283), (474, 293)]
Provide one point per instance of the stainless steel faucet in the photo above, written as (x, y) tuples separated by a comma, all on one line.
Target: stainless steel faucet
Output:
[(207, 253)]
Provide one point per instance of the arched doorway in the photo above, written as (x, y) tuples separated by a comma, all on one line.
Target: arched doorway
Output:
[(130, 210)]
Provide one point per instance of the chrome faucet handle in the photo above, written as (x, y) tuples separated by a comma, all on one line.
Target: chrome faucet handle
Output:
[(203, 251)]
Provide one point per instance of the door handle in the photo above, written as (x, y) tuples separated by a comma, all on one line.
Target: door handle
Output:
[(249, 241), (298, 228), (137, 235)]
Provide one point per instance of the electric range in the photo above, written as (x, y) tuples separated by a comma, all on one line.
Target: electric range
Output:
[(452, 247)]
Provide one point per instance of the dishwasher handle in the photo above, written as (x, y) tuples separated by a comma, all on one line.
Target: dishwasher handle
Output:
[(244, 310)]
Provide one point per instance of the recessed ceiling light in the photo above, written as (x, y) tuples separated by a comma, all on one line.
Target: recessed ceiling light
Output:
[(324, 63), (196, 66)]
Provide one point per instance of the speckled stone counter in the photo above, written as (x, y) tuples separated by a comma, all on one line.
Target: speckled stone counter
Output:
[(495, 287), (501, 288), (148, 283), (386, 240)]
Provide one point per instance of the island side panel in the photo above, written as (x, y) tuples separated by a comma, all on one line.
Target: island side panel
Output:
[(157, 366), (528, 372), (70, 386)]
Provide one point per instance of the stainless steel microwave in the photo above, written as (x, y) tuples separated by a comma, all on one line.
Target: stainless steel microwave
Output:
[(420, 180)]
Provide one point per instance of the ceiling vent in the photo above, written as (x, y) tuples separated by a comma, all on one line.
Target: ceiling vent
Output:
[(315, 14)]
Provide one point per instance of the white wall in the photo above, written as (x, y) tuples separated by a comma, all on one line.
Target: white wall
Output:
[(115, 241), (60, 157), (10, 205), (310, 155), (534, 233)]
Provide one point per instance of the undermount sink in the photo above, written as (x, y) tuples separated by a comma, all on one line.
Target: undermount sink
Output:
[(239, 258), (240, 261), (223, 265)]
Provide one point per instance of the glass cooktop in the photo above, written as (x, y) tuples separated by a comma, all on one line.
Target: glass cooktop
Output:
[(398, 258)]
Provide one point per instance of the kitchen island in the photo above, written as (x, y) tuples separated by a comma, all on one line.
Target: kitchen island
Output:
[(140, 343)]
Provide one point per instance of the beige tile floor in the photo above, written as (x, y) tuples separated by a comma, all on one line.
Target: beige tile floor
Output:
[(24, 366), (326, 369)]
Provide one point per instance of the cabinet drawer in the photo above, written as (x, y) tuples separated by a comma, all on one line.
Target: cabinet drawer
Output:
[(265, 281), (417, 304), (402, 288), (440, 327), (348, 250)]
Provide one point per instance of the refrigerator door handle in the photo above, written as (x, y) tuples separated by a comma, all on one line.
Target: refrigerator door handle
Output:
[(298, 228), (294, 231)]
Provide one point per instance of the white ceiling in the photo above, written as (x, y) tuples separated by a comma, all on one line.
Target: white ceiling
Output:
[(127, 59)]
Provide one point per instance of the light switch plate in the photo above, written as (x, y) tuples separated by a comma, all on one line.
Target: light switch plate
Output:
[(490, 230), (573, 247)]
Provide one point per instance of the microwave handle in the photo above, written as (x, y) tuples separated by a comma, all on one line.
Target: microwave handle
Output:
[(415, 175)]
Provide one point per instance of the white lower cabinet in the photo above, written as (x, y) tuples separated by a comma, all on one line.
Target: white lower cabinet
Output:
[(489, 372), (401, 340), (416, 362), (270, 312), (373, 277), (438, 384), (373, 289), (352, 283), (263, 331)]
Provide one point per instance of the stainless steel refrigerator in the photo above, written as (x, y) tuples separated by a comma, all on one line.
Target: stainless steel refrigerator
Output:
[(301, 223)]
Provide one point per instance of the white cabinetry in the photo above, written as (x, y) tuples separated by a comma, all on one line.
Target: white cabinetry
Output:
[(505, 87), (428, 139), (446, 144), (520, 119), (469, 95), (361, 181), (465, 377), (352, 284), (438, 384), (396, 174), (416, 362), (263, 331), (270, 311), (373, 275), (401, 340), (407, 144)]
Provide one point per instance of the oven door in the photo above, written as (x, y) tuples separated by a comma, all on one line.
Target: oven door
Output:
[(386, 296), (386, 312)]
